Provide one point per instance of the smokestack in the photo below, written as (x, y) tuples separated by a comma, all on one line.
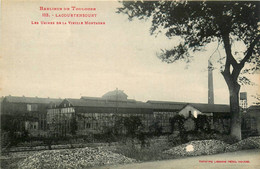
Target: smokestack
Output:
[(210, 84)]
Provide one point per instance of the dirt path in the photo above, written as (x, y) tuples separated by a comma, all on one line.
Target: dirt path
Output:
[(201, 162)]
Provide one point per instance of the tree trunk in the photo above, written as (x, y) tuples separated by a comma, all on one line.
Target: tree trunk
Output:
[(234, 88), (235, 113)]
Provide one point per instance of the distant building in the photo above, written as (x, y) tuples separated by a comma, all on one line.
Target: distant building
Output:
[(27, 113), (96, 114), (63, 117)]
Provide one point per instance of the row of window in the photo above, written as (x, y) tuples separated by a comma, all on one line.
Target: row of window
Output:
[(62, 110), (32, 107)]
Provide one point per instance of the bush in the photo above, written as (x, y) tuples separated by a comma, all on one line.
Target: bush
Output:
[(151, 153), (226, 138), (175, 139)]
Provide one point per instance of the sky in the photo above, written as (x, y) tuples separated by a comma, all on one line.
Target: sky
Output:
[(70, 61)]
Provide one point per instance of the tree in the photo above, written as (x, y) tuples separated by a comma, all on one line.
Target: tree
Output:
[(177, 123), (132, 125), (200, 23), (155, 128), (119, 125), (202, 123), (257, 98), (73, 125)]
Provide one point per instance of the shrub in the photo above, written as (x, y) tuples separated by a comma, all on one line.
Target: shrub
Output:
[(226, 138), (151, 153), (174, 140)]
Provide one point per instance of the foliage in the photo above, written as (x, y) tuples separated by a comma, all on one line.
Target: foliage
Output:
[(149, 153), (13, 129), (109, 135), (177, 123), (199, 23), (202, 123), (175, 140), (155, 128), (119, 125), (257, 98), (133, 125), (73, 125), (226, 138)]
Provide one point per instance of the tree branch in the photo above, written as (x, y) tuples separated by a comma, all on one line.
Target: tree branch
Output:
[(236, 71), (250, 50), (227, 47)]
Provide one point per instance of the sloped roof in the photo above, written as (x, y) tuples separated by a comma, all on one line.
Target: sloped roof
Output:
[(38, 100), (166, 104), (91, 98), (77, 102), (254, 109), (107, 103), (211, 108), (203, 107)]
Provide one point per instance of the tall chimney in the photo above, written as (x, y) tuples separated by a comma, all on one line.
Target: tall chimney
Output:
[(210, 84)]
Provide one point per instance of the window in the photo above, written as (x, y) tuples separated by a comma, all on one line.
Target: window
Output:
[(29, 107), (87, 125), (34, 107), (189, 113)]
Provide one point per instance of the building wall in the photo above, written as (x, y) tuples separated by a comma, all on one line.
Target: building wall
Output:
[(33, 111), (98, 119), (189, 111), (61, 120)]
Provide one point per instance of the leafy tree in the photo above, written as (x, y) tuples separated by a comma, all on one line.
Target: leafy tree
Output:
[(109, 134), (177, 123), (118, 126), (202, 123), (155, 128), (132, 125), (257, 98), (73, 125), (200, 23)]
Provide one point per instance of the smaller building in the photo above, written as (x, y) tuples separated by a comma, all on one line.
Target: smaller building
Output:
[(27, 113)]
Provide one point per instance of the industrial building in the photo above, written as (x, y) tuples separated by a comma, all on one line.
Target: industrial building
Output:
[(85, 115), (95, 114)]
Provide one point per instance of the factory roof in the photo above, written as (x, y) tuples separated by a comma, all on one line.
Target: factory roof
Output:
[(23, 99)]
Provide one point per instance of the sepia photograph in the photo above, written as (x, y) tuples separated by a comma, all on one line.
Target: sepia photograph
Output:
[(112, 84)]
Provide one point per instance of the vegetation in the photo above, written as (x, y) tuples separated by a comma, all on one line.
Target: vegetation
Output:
[(197, 24), (155, 129), (73, 125), (11, 132), (150, 153)]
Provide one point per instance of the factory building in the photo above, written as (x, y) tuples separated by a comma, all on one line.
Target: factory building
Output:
[(64, 117), (96, 114), (85, 115), (25, 114)]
